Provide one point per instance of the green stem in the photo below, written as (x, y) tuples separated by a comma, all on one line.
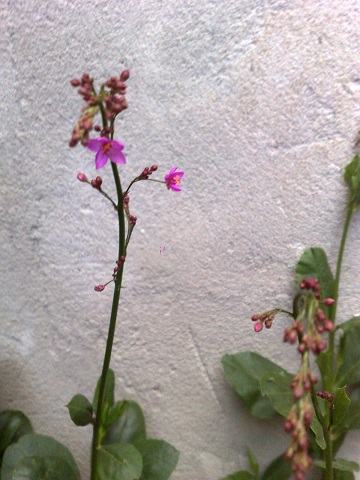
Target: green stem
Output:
[(332, 315), (329, 475), (112, 324)]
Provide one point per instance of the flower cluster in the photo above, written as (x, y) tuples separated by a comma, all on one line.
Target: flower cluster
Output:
[(297, 423), (316, 324), (111, 102), (265, 318), (145, 174)]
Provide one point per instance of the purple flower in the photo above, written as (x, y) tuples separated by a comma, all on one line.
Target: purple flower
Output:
[(106, 149), (173, 178)]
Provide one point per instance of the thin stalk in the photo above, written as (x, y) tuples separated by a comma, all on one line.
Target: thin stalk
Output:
[(332, 315), (329, 475), (113, 316)]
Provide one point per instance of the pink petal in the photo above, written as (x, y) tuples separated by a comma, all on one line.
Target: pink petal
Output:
[(116, 146), (100, 159), (96, 143), (174, 187), (116, 157)]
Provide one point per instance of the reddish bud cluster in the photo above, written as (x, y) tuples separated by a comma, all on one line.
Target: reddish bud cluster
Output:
[(121, 261), (263, 318), (310, 284), (326, 395), (147, 172), (297, 423), (321, 322), (96, 183), (114, 100), (292, 333), (301, 384), (132, 220)]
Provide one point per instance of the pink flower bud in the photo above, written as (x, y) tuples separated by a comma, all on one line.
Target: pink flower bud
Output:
[(254, 318), (99, 288), (328, 301), (258, 327), (81, 177), (75, 82), (125, 75)]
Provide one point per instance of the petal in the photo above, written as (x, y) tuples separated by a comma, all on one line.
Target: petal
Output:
[(174, 187), (116, 146), (100, 159), (116, 157), (96, 143)]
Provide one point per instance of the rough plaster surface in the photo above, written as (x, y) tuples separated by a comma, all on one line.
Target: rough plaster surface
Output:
[(258, 100)]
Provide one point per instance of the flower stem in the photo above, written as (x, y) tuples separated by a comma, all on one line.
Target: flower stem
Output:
[(329, 475), (112, 325), (332, 315)]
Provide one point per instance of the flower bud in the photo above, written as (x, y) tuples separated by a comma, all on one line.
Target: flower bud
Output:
[(258, 327), (99, 288), (125, 75), (82, 177), (75, 82), (328, 301)]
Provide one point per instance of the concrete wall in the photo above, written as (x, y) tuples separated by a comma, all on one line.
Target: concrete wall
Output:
[(258, 101)]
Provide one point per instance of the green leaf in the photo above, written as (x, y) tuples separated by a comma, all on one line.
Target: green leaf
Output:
[(341, 406), (48, 468), (46, 452), (243, 372), (276, 386), (324, 362), (119, 461), (243, 475), (313, 264), (13, 425), (340, 464), (319, 434), (349, 353), (278, 469), (129, 427), (352, 178), (114, 412), (338, 475), (80, 410), (254, 464), (159, 458), (109, 390), (351, 420)]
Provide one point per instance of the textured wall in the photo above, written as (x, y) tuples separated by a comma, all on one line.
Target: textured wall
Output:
[(258, 101)]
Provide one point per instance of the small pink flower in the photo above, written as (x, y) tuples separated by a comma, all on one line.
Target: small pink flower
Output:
[(106, 149), (173, 178)]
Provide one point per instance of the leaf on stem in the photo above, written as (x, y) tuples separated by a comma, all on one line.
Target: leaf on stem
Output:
[(340, 464), (119, 461), (242, 475), (319, 433), (13, 425), (38, 457), (313, 264), (341, 406), (276, 386), (254, 464), (352, 178), (159, 458), (348, 359), (128, 427), (109, 390), (243, 372), (80, 410)]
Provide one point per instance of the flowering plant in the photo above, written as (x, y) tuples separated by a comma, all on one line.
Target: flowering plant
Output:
[(120, 448), (321, 403)]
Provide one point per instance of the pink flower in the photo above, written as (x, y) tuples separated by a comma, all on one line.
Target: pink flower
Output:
[(173, 178), (106, 149)]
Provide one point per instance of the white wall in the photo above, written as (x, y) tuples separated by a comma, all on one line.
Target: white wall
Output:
[(258, 101)]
